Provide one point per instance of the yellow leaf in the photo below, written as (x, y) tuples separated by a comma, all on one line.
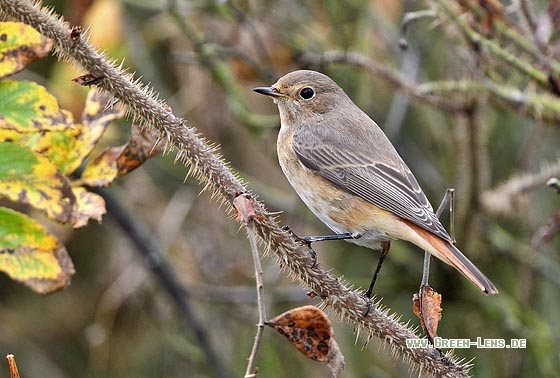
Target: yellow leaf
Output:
[(57, 146), (28, 178), (20, 44), (29, 254), (98, 113), (89, 206), (118, 161), (104, 168)]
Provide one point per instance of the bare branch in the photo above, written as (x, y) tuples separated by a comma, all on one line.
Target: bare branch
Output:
[(447, 9), (506, 198), (451, 96), (392, 77)]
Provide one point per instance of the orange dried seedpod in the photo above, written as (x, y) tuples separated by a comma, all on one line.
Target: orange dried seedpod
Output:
[(427, 307), (14, 373), (310, 331)]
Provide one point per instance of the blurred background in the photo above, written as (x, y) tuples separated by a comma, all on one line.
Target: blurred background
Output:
[(119, 317)]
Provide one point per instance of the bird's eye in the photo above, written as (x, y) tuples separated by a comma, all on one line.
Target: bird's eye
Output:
[(307, 93)]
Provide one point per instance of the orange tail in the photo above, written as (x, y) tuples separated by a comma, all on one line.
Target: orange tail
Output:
[(448, 253), (468, 269)]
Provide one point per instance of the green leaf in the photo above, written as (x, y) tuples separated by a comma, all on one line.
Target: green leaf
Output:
[(68, 148), (28, 107), (29, 254)]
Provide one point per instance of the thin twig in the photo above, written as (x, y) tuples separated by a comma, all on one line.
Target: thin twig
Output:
[(542, 107), (492, 47), (243, 19), (447, 198), (454, 96), (528, 14), (411, 17), (388, 75), (505, 198), (221, 72), (476, 153), (251, 372), (246, 214)]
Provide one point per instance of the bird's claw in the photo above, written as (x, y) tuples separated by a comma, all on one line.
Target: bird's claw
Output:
[(307, 240), (369, 304)]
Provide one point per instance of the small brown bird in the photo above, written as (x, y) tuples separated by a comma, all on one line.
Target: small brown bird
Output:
[(351, 177)]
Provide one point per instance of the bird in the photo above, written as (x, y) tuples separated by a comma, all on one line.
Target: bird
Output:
[(349, 174)]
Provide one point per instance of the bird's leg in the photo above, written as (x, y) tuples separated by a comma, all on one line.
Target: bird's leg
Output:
[(385, 246), (449, 197), (320, 238), (313, 239), (311, 250)]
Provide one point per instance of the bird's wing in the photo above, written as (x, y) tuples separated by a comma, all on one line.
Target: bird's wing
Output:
[(379, 176)]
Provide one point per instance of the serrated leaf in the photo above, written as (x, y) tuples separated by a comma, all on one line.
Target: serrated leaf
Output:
[(20, 45), (28, 178), (28, 107), (29, 254)]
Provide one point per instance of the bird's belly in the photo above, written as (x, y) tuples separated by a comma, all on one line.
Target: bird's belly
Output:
[(342, 212), (338, 209)]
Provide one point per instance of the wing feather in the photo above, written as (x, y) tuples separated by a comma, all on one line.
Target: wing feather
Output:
[(379, 176)]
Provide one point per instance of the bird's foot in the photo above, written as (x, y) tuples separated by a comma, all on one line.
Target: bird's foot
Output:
[(307, 240)]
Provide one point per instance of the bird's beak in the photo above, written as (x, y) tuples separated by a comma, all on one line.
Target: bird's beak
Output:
[(268, 91)]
